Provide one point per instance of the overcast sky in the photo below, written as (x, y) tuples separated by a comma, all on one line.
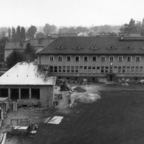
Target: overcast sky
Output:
[(69, 12)]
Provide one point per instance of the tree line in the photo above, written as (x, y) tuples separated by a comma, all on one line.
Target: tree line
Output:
[(133, 27), (20, 33), (28, 55)]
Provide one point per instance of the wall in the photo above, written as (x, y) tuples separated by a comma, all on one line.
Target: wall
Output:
[(44, 59), (46, 94)]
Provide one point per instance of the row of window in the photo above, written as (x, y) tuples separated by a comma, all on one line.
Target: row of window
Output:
[(94, 58), (93, 68)]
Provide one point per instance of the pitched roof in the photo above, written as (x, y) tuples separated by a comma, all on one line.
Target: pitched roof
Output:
[(95, 45), (26, 74), (15, 45), (41, 42)]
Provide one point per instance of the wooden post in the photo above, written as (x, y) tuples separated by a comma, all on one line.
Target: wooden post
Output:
[(29, 93), (19, 93), (9, 93)]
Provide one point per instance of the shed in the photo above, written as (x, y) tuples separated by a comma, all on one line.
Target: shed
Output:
[(27, 84)]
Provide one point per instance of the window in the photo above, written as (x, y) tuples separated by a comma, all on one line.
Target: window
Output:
[(93, 68), (120, 58), (60, 58), (85, 58), (51, 58), (35, 93), (4, 92), (77, 58), (76, 69), (55, 69), (111, 58), (94, 58), (64, 68), (85, 67), (68, 69), (72, 69), (24, 93), (137, 58), (89, 67), (51, 68), (129, 58), (103, 58), (68, 58), (60, 69)]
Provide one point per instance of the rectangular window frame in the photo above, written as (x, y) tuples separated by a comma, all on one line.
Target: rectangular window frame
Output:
[(120, 60), (94, 58), (76, 58), (51, 58), (60, 58), (111, 58), (85, 59), (103, 60), (69, 59), (130, 59), (137, 57)]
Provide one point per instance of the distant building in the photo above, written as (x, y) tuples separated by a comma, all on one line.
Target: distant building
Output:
[(111, 58), (28, 84), (40, 43), (11, 46), (63, 35)]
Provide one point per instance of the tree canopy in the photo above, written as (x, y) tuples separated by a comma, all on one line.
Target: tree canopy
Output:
[(48, 29), (14, 58), (31, 32), (40, 35), (17, 56)]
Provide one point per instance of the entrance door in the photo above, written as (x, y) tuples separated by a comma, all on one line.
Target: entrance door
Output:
[(110, 77)]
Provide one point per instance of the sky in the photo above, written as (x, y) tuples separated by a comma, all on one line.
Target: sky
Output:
[(69, 12)]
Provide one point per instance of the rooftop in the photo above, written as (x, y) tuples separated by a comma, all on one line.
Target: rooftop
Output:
[(15, 45), (26, 74), (95, 45), (41, 42)]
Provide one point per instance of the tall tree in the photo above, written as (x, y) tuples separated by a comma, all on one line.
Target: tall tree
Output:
[(14, 58), (40, 35), (23, 34), (18, 34), (142, 28), (31, 32), (13, 34), (9, 34), (48, 29), (30, 53)]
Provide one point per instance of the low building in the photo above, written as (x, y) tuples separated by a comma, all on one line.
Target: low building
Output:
[(112, 58), (28, 83)]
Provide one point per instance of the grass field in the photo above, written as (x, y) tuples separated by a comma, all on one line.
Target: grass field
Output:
[(117, 118)]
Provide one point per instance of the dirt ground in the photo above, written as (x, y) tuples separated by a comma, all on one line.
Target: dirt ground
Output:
[(117, 118), (109, 119)]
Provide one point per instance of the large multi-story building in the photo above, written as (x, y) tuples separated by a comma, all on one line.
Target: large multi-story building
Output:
[(95, 57)]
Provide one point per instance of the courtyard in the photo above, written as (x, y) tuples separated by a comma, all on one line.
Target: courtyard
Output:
[(118, 117)]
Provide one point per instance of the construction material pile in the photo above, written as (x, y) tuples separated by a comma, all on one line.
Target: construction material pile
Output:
[(82, 95)]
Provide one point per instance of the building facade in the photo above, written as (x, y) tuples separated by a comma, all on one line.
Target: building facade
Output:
[(27, 84), (112, 58)]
